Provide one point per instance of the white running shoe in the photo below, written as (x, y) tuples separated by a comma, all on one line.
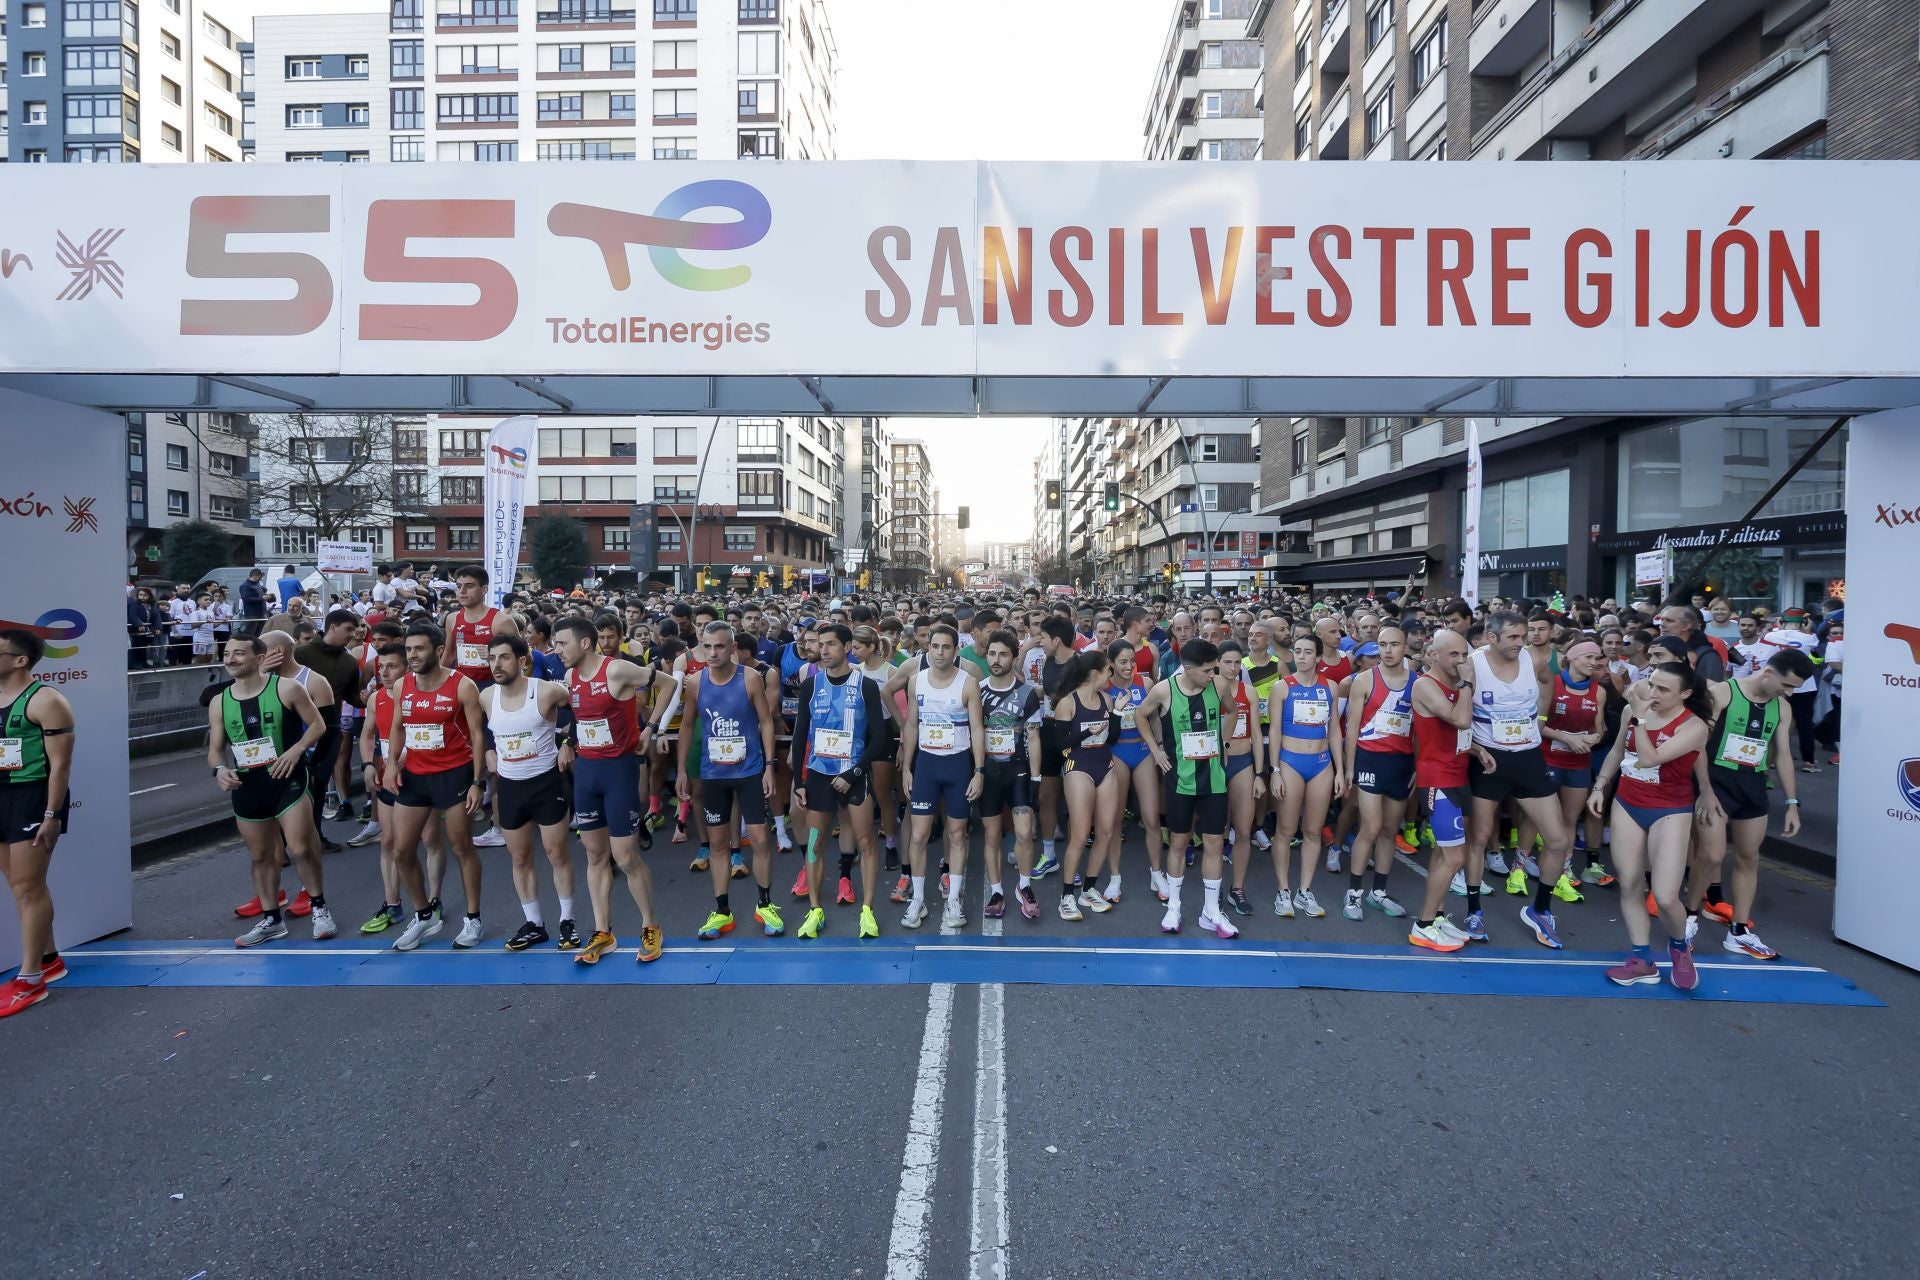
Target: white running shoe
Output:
[(264, 930), (916, 914), (1748, 944), (417, 930), (1530, 864), (1458, 885), (1157, 881), (1261, 840), (470, 933), (491, 838), (1069, 909), (955, 916), (1308, 904), (323, 926), (1218, 925), (1352, 910), (365, 835), (1379, 901), (1093, 900), (1496, 863), (1333, 857), (1283, 905), (1693, 927), (1170, 921), (1452, 930)]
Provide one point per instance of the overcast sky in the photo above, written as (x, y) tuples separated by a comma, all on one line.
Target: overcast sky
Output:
[(976, 80)]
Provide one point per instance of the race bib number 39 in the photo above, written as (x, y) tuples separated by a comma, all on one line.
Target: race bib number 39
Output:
[(1000, 743)]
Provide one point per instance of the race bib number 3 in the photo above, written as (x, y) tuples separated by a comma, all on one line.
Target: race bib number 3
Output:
[(426, 737), (595, 733), (727, 750), (1201, 745), (253, 754), (833, 744), (1309, 713), (1740, 749), (937, 737)]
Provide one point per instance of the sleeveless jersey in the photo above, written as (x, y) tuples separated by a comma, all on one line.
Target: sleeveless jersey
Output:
[(837, 719), (604, 727), (1190, 732), (731, 723), (1007, 714), (1386, 718), (522, 738), (469, 642), (942, 715), (381, 706), (1572, 711), (1440, 750), (1665, 786), (1506, 713), (1305, 710), (1243, 712), (434, 726), (260, 728), (1263, 677), (23, 748), (1742, 737), (1126, 704)]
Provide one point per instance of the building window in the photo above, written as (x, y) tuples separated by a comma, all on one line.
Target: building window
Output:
[(1302, 137), (1299, 460), (1529, 511), (676, 10), (601, 489), (405, 15), (409, 107), (304, 117), (675, 149), (407, 60), (759, 144), (620, 106), (479, 108), (357, 66), (669, 541), (572, 58), (176, 457), (170, 91), (422, 538), (759, 99), (1210, 497), (1303, 56), (477, 13), (170, 46), (463, 537), (759, 53), (759, 488), (478, 59), (621, 62), (675, 442), (496, 152), (1212, 106), (741, 538), (1211, 56), (359, 113), (34, 15), (1380, 116), (1430, 54), (463, 442), (92, 66), (460, 491), (303, 68), (673, 488), (1379, 22), (615, 537), (90, 18), (224, 464), (759, 10), (94, 114), (221, 507), (408, 150), (294, 542), (560, 106), (215, 32), (674, 105), (675, 55), (1375, 430)]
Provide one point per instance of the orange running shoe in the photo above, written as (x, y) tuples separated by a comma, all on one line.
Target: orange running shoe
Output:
[(649, 944), (251, 907), (800, 886), (900, 888), (1653, 908), (1721, 911), (302, 905), (1405, 846), (844, 897)]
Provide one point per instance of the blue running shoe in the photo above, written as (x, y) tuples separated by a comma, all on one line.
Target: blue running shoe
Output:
[(1477, 926), (1048, 864), (1541, 922)]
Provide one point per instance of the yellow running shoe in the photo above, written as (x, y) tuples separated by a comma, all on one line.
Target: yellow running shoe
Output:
[(769, 918), (1565, 889), (816, 920), (699, 862), (717, 924), (869, 927), (649, 944), (601, 944), (1517, 881)]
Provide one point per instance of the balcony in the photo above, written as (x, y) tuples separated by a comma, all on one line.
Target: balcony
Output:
[(1335, 126), (1336, 37), (574, 17), (1781, 99), (1507, 35)]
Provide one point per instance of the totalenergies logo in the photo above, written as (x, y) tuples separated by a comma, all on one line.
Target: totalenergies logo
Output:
[(666, 232), (56, 627), (515, 458)]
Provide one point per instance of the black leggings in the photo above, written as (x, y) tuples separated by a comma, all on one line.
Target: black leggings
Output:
[(1802, 705)]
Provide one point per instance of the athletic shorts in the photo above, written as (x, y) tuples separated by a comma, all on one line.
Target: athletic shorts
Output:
[(940, 781), (1565, 779), (1448, 806), (1743, 794), (1005, 785), (1383, 773), (820, 797), (22, 807), (1201, 815), (606, 793), (1053, 757), (1521, 775), (718, 796), (1237, 765), (1645, 818), (437, 791), (1131, 755), (263, 797), (541, 800)]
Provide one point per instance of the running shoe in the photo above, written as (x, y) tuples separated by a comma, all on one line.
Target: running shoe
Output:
[(782, 841), (491, 838), (1069, 909), (1517, 882), (1029, 904), (650, 939), (1220, 926), (902, 888), (1567, 889), (1458, 885), (1530, 864), (700, 862), (18, 996), (1747, 943), (643, 835), (527, 935), (1333, 858), (1283, 904), (680, 835), (1452, 930), (1352, 910), (251, 907), (955, 916), (364, 836), (1093, 900), (417, 931), (914, 916), (1693, 928), (470, 933), (945, 884), (1013, 858), (1597, 873), (265, 929), (996, 904), (869, 927), (1048, 864), (1159, 883), (1237, 899), (1683, 975), (770, 921), (800, 886), (892, 861), (1721, 911), (1634, 972), (843, 894), (1433, 937), (601, 944), (656, 820), (302, 904), (1653, 908), (323, 925), (569, 936), (382, 920), (810, 927), (738, 865), (1379, 901), (1405, 845), (1497, 862), (717, 923), (1112, 892), (1170, 922), (1477, 927), (1544, 930), (53, 970), (1261, 840), (1308, 904)]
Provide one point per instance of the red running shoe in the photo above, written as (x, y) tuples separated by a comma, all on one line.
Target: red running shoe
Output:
[(18, 996), (844, 898), (1721, 911), (251, 907), (800, 886), (53, 970), (1653, 908), (900, 888), (300, 906)]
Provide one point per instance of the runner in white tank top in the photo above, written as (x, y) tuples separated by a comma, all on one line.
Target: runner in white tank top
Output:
[(523, 740), (532, 796)]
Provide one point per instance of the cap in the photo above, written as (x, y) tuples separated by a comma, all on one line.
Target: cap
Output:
[(1795, 615), (1368, 650), (807, 623)]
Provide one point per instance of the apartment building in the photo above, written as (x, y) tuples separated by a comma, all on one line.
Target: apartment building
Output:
[(914, 504), (181, 467), (1203, 105), (332, 97), (110, 81), (867, 493), (1568, 501), (1049, 471)]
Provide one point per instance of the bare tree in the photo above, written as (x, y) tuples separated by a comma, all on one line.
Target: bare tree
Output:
[(327, 472)]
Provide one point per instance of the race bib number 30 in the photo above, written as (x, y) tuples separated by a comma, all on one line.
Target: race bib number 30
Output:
[(471, 655)]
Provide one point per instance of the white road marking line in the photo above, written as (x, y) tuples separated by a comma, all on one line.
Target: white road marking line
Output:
[(1410, 864), (990, 1230), (147, 791), (908, 1243)]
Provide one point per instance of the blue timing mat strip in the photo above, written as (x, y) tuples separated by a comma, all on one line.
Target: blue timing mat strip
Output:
[(1084, 962)]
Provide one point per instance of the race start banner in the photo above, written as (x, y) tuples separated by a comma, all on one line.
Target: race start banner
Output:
[(510, 462)]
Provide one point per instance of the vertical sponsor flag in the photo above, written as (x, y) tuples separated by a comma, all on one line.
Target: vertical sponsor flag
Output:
[(510, 454), (1470, 536)]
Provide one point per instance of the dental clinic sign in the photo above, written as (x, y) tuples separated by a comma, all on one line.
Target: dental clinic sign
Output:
[(967, 269)]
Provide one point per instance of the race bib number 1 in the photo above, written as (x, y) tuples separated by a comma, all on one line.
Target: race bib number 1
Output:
[(1202, 745)]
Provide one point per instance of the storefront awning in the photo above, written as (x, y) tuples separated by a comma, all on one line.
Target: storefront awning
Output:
[(1356, 570)]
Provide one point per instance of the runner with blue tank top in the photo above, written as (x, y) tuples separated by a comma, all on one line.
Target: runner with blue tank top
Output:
[(1309, 772), (1139, 776), (839, 732), (733, 709)]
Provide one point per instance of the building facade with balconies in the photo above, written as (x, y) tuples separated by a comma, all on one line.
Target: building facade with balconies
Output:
[(867, 493), (912, 491), (1568, 501), (182, 467), (1203, 105)]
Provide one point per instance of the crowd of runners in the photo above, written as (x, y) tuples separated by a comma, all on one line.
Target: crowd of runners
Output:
[(1541, 752)]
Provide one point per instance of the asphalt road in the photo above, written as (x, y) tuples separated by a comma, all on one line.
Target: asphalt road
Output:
[(859, 1131)]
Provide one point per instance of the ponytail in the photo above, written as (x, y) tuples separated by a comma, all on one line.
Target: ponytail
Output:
[(1075, 672)]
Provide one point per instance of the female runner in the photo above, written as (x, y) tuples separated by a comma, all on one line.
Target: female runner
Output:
[(1084, 722), (1246, 769), (1137, 771), (1308, 771)]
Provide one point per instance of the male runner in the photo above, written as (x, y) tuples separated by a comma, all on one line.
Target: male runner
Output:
[(438, 727), (390, 668), (734, 709), (521, 713), (839, 730), (36, 759), (944, 730), (470, 629), (256, 717), (609, 767), (1180, 720), (1443, 736), (1753, 722), (1040, 668), (1013, 715), (1379, 747)]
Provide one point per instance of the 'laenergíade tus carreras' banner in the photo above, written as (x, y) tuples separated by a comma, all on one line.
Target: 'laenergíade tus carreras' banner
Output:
[(511, 458), (1735, 269)]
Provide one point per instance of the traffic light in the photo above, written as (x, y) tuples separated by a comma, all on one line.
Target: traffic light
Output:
[(760, 581), (786, 576), (1169, 571), (1112, 497), (965, 518), (864, 579), (1053, 495)]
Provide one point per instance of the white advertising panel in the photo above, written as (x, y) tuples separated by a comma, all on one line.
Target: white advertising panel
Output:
[(1728, 269), (344, 557), (1878, 857), (1470, 536), (511, 458), (63, 578), (1650, 568)]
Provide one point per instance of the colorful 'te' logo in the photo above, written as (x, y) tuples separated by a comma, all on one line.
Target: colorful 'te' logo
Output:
[(666, 232), (56, 625)]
